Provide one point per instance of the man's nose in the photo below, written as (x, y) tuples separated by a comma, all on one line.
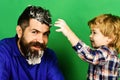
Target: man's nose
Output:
[(40, 38)]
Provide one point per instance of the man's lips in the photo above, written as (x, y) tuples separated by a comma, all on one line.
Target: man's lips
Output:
[(35, 47)]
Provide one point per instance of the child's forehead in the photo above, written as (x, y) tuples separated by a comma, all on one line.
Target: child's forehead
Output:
[(95, 26), (95, 29)]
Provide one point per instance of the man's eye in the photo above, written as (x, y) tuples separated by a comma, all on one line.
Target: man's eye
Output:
[(46, 34), (34, 32)]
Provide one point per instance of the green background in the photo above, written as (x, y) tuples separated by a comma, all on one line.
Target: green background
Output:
[(76, 13)]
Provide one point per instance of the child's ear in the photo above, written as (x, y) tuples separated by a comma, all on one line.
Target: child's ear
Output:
[(19, 31), (109, 40)]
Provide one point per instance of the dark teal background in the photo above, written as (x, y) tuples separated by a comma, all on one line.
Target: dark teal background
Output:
[(76, 13)]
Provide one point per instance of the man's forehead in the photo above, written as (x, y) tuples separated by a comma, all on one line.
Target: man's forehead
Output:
[(34, 24)]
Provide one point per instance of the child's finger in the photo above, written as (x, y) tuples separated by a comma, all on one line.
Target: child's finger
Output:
[(58, 30)]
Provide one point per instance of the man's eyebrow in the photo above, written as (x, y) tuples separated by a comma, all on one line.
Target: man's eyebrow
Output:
[(35, 30), (40, 31)]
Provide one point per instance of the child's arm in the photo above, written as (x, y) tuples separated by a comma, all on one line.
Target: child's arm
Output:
[(84, 51)]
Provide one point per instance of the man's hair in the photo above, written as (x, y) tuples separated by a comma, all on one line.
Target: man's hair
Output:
[(34, 12)]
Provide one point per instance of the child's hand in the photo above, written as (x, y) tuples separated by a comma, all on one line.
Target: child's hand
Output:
[(63, 27)]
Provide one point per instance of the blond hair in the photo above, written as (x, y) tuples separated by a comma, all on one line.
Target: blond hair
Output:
[(109, 25)]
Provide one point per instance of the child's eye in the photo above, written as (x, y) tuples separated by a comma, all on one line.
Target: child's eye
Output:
[(94, 32)]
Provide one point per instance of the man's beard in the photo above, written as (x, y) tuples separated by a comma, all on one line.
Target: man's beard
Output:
[(32, 56)]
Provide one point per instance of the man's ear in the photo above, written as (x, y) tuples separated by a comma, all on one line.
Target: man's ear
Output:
[(19, 31)]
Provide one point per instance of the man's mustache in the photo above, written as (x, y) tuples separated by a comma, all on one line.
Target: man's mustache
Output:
[(39, 45)]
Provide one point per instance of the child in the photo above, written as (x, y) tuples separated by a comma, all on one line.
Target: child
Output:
[(105, 39)]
